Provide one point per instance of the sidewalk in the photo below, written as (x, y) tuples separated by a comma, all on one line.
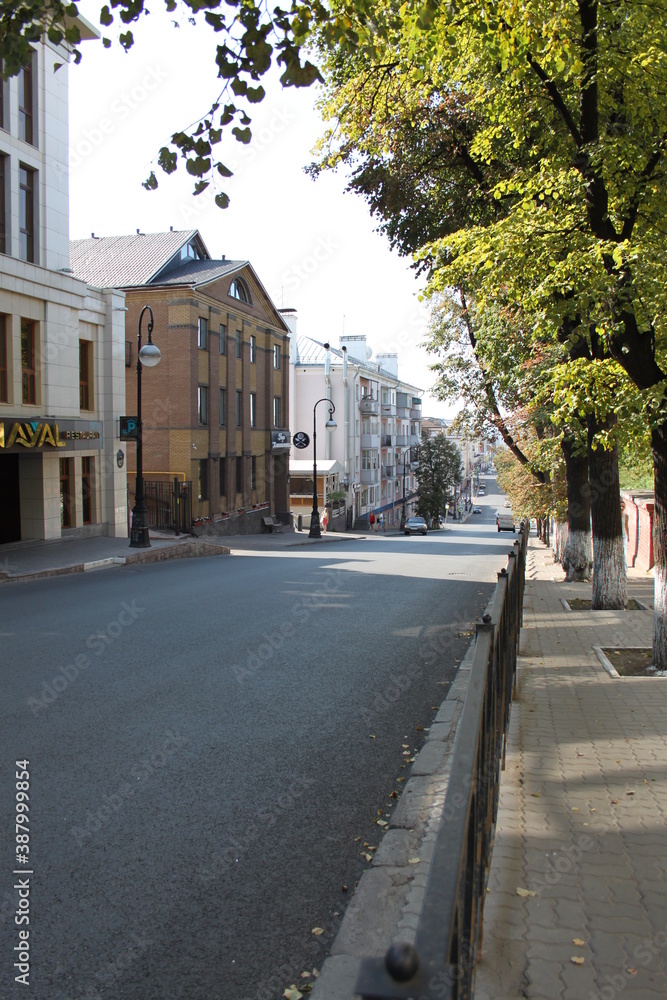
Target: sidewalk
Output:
[(583, 810), (577, 898)]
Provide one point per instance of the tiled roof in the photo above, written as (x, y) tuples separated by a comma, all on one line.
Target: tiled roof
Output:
[(127, 261), (199, 272)]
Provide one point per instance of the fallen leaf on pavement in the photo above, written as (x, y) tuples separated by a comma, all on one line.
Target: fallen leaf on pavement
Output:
[(577, 960), (413, 861), (525, 892), (318, 930), (579, 942), (292, 993)]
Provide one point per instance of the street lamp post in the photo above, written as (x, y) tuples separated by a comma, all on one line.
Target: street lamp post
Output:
[(315, 530), (149, 355)]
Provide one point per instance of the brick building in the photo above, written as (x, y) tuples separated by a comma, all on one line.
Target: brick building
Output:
[(215, 410), (638, 506)]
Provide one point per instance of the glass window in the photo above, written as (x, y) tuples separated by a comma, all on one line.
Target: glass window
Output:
[(28, 361), (85, 375), (239, 290), (276, 356), (202, 333), (27, 214), (26, 107), (202, 404), (239, 407), (87, 490), (4, 176), (253, 473), (202, 479), (276, 412), (239, 474), (223, 407), (4, 385), (223, 338), (253, 409), (239, 344), (253, 348), (223, 479)]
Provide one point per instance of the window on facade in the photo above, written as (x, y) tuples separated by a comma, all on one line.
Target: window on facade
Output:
[(87, 490), (202, 404), (223, 338), (85, 375), (276, 412), (128, 353), (27, 214), (202, 333), (223, 477), (202, 479), (253, 349), (253, 409), (253, 473), (4, 200), (239, 407), (4, 384), (28, 362), (239, 344), (239, 474), (26, 106), (67, 502), (223, 407), (4, 102), (276, 356), (239, 290)]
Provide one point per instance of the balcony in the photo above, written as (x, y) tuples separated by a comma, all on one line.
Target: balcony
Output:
[(370, 441), (388, 472), (388, 440), (369, 405), (389, 409), (370, 476), (416, 413), (402, 440)]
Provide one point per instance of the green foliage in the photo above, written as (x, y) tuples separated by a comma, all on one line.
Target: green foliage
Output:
[(439, 470)]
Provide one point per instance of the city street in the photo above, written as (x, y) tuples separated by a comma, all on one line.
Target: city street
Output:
[(210, 745)]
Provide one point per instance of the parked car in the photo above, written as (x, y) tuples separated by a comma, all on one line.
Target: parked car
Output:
[(415, 526), (507, 504), (505, 522), (477, 510)]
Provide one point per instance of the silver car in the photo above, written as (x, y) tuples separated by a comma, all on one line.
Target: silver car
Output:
[(415, 526)]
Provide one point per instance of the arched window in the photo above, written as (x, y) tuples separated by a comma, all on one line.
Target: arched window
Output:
[(239, 290)]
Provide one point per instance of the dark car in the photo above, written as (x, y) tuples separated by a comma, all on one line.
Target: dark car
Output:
[(415, 526)]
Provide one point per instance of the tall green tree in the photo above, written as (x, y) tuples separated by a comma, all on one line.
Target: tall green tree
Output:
[(439, 470)]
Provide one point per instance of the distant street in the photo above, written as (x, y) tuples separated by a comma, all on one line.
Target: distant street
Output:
[(210, 742)]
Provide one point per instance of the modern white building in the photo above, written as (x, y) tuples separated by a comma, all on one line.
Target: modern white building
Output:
[(62, 344), (367, 458)]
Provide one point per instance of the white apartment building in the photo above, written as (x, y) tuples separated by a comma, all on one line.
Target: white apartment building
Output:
[(62, 344), (378, 420)]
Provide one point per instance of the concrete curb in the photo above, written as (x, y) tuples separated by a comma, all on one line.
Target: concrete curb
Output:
[(388, 899)]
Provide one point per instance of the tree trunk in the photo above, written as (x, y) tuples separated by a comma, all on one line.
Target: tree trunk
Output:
[(659, 448), (559, 541), (578, 557), (610, 590)]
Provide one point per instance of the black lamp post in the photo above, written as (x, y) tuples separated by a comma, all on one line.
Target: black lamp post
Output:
[(315, 530), (148, 355)]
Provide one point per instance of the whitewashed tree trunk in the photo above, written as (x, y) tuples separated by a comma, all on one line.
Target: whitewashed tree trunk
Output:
[(578, 557), (559, 540), (610, 589)]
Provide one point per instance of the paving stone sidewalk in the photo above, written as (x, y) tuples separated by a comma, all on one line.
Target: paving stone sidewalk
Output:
[(577, 900)]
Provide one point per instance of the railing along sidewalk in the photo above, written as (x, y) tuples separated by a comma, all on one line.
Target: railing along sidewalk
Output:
[(441, 963)]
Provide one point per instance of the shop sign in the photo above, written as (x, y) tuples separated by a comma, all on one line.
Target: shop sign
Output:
[(280, 440), (44, 434)]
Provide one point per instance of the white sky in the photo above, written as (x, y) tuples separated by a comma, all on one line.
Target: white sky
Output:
[(313, 247)]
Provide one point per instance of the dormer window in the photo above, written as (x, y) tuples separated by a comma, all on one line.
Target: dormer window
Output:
[(189, 252), (239, 290)]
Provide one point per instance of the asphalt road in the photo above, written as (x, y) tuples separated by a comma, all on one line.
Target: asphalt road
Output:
[(210, 745)]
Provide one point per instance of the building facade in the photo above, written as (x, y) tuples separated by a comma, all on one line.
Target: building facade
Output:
[(378, 423), (62, 374), (215, 410)]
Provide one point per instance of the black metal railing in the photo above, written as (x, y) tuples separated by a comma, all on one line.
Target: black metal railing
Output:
[(168, 505), (441, 963)]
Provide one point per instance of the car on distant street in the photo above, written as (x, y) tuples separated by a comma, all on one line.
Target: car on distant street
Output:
[(507, 504), (477, 510), (505, 522), (415, 526)]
